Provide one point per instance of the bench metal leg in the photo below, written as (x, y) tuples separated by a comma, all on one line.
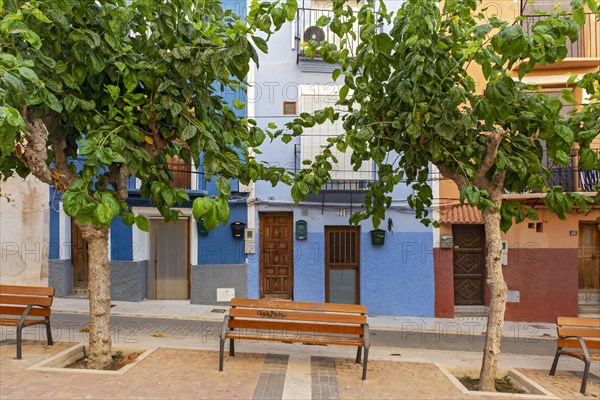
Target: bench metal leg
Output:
[(586, 372), (221, 351), (231, 348), (364, 375), (358, 355), (49, 334), (555, 362), (19, 331)]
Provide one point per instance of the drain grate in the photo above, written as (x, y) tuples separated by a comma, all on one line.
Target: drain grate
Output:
[(218, 310)]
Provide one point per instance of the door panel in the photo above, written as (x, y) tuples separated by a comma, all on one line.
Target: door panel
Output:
[(342, 264), (79, 258), (469, 264), (168, 275), (276, 255), (589, 256)]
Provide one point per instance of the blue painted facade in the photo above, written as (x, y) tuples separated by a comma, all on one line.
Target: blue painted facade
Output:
[(219, 246), (394, 279)]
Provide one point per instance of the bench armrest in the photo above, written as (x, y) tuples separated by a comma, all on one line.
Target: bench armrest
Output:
[(586, 353), (224, 327), (26, 312)]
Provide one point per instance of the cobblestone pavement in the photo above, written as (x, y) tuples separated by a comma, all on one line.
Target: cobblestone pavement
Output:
[(129, 330), (170, 373)]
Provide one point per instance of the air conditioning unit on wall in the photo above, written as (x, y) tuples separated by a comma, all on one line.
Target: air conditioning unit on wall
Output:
[(314, 33)]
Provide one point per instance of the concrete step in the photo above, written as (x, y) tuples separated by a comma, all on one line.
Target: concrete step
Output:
[(589, 309)]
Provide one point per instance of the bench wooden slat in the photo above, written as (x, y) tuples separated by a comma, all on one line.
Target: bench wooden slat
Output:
[(574, 344), (299, 305), (27, 290), (34, 312), (572, 321), (583, 332), (343, 341), (25, 300), (297, 316), (14, 322), (272, 326)]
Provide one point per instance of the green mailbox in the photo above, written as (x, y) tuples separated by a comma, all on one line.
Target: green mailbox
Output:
[(377, 237), (301, 230)]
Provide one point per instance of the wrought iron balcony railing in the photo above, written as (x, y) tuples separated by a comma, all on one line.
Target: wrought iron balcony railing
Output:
[(346, 181), (588, 44), (307, 30)]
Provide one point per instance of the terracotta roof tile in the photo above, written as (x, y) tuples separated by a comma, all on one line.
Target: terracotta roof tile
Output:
[(460, 214)]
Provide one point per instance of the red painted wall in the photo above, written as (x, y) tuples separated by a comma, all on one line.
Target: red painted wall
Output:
[(444, 283), (547, 280)]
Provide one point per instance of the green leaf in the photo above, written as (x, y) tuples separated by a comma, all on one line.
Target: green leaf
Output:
[(200, 207), (28, 74), (239, 104), (188, 133), (344, 92), (168, 196), (261, 44), (128, 219), (103, 214), (142, 223), (224, 186), (114, 92), (39, 15)]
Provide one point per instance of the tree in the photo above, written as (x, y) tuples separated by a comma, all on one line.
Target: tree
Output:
[(95, 92), (409, 103)]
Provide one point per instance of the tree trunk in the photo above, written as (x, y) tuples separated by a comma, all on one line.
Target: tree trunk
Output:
[(498, 291), (100, 355)]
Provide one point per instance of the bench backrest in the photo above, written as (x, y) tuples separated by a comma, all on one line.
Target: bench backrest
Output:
[(298, 316), (14, 300), (587, 328)]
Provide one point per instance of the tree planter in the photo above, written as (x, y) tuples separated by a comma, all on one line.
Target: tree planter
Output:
[(531, 389), (60, 361)]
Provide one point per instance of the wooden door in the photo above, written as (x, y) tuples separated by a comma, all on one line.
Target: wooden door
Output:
[(342, 264), (182, 173), (276, 255), (469, 264), (79, 258), (589, 256)]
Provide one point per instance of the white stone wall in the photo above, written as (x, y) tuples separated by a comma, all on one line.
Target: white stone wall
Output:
[(24, 232)]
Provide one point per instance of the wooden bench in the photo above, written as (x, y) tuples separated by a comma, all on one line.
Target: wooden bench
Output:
[(581, 338), (292, 321), (23, 306)]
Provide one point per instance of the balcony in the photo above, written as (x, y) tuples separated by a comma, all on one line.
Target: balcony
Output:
[(586, 47), (570, 177), (344, 180), (307, 30)]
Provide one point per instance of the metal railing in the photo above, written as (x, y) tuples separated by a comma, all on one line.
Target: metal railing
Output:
[(588, 44), (358, 184), (307, 29), (570, 177)]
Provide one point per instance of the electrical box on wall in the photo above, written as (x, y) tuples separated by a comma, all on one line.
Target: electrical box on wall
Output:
[(225, 294), (446, 242), (249, 242), (505, 252)]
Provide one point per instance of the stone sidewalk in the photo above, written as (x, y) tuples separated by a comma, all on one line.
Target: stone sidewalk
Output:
[(258, 371)]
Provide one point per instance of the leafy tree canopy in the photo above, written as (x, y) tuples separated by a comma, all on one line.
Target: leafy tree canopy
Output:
[(93, 93), (409, 102)]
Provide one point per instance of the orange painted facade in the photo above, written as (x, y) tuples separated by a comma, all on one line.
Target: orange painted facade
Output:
[(542, 256)]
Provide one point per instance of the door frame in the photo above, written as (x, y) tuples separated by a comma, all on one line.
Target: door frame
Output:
[(260, 257), (74, 249), (484, 271), (152, 256), (326, 265)]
